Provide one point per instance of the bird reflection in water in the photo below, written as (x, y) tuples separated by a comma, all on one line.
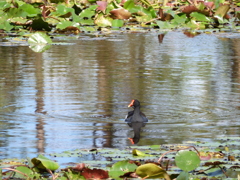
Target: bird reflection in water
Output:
[(136, 120)]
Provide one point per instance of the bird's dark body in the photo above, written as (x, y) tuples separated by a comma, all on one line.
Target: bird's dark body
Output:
[(136, 115)]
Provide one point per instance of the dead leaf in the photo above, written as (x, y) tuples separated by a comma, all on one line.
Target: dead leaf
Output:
[(120, 13), (222, 10), (189, 9), (94, 173)]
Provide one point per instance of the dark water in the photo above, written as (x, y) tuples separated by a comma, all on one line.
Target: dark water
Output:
[(76, 96)]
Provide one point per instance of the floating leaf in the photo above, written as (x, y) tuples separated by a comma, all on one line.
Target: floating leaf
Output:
[(30, 10), (65, 24), (39, 38), (122, 167), (189, 9), (222, 10), (151, 170), (4, 5), (39, 42), (155, 147), (150, 12), (196, 25), (165, 25), (86, 22), (89, 12), (117, 23), (180, 19), (215, 171), (92, 1), (5, 25), (25, 170), (63, 11), (41, 162), (129, 4), (187, 160), (103, 21), (102, 5), (94, 173), (199, 17), (144, 18), (16, 12), (183, 176), (120, 13), (205, 156), (136, 152), (71, 175)]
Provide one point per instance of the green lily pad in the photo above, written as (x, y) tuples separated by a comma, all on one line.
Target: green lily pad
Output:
[(183, 175), (39, 42), (152, 171), (200, 17), (30, 10), (39, 38), (6, 26), (43, 163), (117, 23), (103, 21), (65, 24), (121, 167), (136, 152), (25, 170), (187, 160), (89, 12)]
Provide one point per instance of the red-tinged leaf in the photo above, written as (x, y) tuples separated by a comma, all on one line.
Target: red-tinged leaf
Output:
[(170, 4), (189, 9), (205, 158), (123, 1), (102, 5), (94, 173), (79, 167), (209, 4), (120, 13)]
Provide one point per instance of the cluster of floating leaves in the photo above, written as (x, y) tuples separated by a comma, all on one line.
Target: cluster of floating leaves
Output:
[(196, 160), (73, 17)]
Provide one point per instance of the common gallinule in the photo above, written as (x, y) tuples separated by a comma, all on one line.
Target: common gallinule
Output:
[(136, 120), (136, 115)]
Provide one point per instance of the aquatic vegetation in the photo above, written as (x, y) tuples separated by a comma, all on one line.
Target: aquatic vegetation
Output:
[(73, 17), (195, 160)]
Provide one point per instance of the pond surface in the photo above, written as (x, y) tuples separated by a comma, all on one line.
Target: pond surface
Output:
[(76, 96)]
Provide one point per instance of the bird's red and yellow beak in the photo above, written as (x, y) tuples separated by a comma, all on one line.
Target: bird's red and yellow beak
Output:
[(131, 104)]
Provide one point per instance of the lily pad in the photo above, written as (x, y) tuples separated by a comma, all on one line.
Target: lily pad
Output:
[(187, 160), (151, 170), (26, 172), (136, 152), (39, 38), (43, 163), (122, 167), (183, 175)]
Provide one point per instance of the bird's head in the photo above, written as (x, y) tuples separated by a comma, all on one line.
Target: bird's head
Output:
[(134, 103)]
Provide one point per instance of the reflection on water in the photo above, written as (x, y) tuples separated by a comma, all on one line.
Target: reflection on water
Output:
[(75, 96), (136, 126)]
